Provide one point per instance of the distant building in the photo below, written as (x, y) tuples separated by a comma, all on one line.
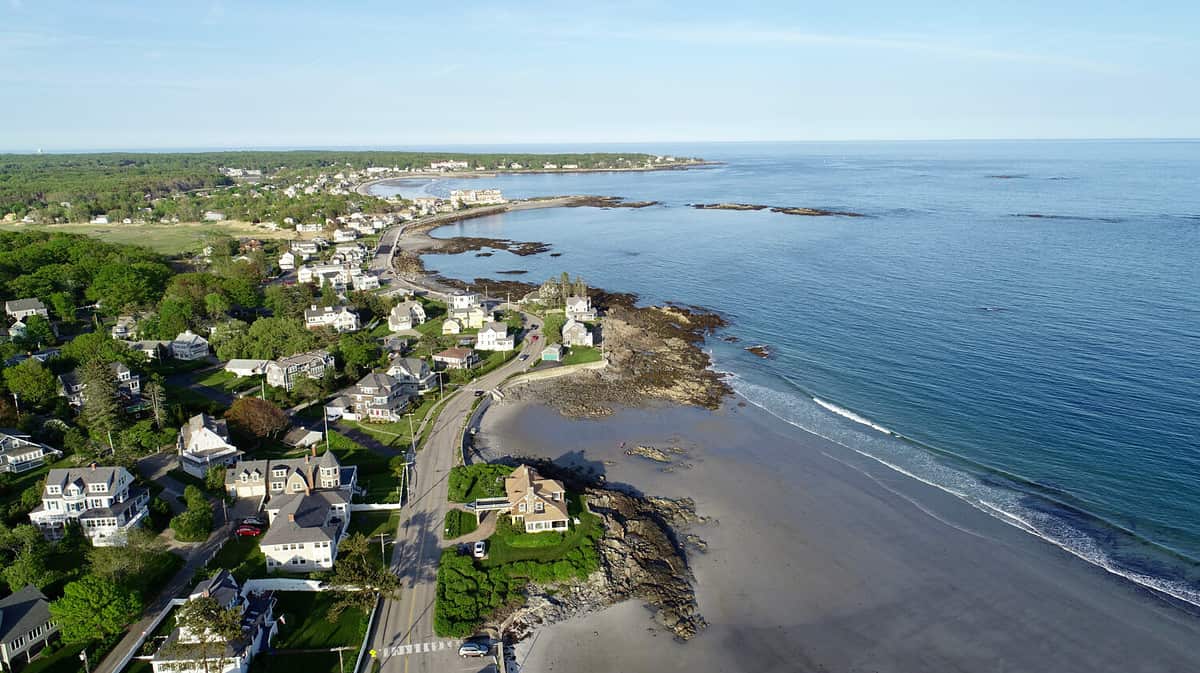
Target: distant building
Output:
[(413, 374), (100, 219), (344, 235), (494, 337), (580, 309), (287, 261), (19, 453), (406, 315), (456, 358), (476, 197), (285, 372), (449, 165), (189, 346), (102, 500), (364, 281), (129, 385), (203, 443), (125, 327), (23, 308), (25, 626), (213, 216), (340, 318), (552, 353), (243, 367), (451, 326)]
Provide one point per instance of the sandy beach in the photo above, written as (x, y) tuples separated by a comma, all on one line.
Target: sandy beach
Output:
[(820, 559)]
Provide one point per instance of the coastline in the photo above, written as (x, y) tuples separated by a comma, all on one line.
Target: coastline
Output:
[(820, 559), (364, 188)]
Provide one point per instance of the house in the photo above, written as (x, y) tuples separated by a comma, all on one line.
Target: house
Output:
[(308, 507), (552, 353), (335, 274), (406, 315), (455, 358), (100, 219), (308, 228), (413, 375), (182, 652), (462, 299), (189, 346), (449, 165), (580, 309), (23, 308), (541, 504), (576, 334), (473, 317), (364, 281), (340, 318), (340, 407), (285, 372), (18, 330), (475, 197), (240, 367), (152, 349), (451, 326), (302, 438), (19, 453), (344, 235), (125, 328), (305, 249), (213, 216), (203, 443), (25, 626), (129, 385), (495, 337), (379, 397), (102, 500), (287, 261)]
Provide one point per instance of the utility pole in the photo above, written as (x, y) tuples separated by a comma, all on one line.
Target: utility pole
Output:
[(17, 402), (382, 556), (84, 659), (325, 414), (411, 436)]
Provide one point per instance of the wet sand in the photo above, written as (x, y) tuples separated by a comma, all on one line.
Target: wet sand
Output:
[(820, 559)]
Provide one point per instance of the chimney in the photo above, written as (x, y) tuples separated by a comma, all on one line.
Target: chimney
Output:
[(93, 466), (292, 518), (312, 306)]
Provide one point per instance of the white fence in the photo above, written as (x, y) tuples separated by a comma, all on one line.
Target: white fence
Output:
[(374, 506), (137, 646), (366, 643)]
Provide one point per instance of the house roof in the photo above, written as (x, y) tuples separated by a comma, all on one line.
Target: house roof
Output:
[(302, 518), (301, 437), (526, 485), (495, 327), (240, 363), (454, 354), (30, 304), (376, 380), (410, 366), (189, 337), (221, 586), (300, 359), (83, 475), (22, 612)]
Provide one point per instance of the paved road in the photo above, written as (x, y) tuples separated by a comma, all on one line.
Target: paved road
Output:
[(404, 637)]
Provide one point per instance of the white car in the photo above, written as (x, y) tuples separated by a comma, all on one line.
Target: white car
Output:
[(479, 549)]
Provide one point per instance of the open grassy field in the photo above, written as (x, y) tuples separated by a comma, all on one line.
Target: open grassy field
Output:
[(168, 239)]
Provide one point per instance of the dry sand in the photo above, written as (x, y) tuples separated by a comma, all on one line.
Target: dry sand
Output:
[(823, 560)]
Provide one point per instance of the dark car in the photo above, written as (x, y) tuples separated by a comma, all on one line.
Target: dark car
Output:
[(248, 531)]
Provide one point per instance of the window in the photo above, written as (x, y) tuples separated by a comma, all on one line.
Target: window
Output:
[(539, 507), (53, 490), (243, 477), (521, 507)]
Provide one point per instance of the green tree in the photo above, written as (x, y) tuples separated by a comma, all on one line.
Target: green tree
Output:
[(100, 346), (358, 567), (93, 608), (216, 304), (24, 553), (329, 296), (32, 382), (174, 316), (121, 564), (211, 626), (38, 333), (214, 479), (101, 399), (359, 352), (64, 306), (195, 523)]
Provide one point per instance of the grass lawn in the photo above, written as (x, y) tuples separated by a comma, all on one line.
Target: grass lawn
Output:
[(228, 381), (580, 354), (552, 324), (481, 480), (242, 557), (309, 627), (374, 523), (511, 544), (63, 660), (193, 401), (168, 239), (374, 472), (459, 523)]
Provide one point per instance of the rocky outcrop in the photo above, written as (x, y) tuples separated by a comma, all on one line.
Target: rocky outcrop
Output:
[(784, 210), (640, 558)]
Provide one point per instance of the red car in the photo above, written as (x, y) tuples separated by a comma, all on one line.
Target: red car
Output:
[(533, 338), (247, 531)]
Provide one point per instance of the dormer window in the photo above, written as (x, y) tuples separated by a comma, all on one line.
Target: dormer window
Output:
[(279, 472), (539, 507), (244, 477)]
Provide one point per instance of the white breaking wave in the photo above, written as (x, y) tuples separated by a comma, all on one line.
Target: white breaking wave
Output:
[(846, 413), (895, 454)]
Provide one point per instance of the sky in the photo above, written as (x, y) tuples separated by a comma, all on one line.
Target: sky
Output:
[(216, 74)]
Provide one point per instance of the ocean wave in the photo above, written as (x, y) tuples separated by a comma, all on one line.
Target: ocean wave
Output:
[(1109, 547)]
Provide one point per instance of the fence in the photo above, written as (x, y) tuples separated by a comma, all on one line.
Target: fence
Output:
[(374, 506), (137, 646), (366, 643)]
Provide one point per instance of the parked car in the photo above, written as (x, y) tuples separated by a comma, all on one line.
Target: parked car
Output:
[(524, 357), (247, 531), (533, 338), (479, 550), (478, 393), (474, 648), (253, 521)]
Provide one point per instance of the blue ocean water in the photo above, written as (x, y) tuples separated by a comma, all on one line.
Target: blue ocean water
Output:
[(1045, 369)]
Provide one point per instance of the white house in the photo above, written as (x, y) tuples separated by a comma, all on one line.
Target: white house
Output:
[(316, 273), (494, 337), (463, 300), (580, 309), (100, 219), (203, 443), (240, 367), (364, 281), (379, 397), (340, 318), (125, 327), (305, 249), (413, 375), (102, 500), (285, 372), (182, 651), (576, 334), (25, 626), (19, 453), (308, 228), (406, 315), (455, 358), (23, 308), (451, 326), (189, 346), (287, 261)]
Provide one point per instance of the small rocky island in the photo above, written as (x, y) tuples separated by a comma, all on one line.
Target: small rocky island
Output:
[(785, 210)]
